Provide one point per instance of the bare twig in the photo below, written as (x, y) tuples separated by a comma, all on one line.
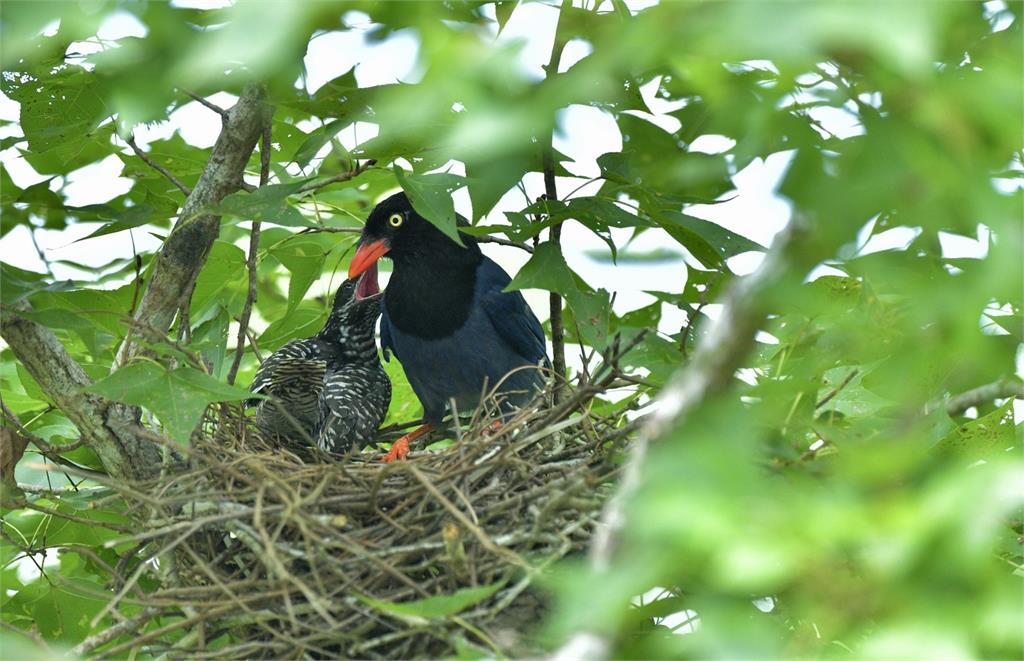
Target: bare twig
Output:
[(828, 398), (42, 254), (490, 238), (209, 104), (1001, 389), (341, 176), (156, 166), (254, 246), (555, 233)]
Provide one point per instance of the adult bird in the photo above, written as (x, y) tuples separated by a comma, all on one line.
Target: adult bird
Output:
[(447, 318), (329, 389)]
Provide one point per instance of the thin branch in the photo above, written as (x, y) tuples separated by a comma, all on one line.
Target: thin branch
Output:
[(102, 423), (113, 631), (156, 166), (1001, 389), (184, 253), (487, 238), (555, 233), (341, 176), (254, 246), (41, 253), (828, 398), (209, 104), (716, 358)]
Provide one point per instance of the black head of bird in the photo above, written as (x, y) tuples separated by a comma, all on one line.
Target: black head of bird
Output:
[(395, 230)]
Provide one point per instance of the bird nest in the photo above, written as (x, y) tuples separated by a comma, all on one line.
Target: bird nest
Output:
[(264, 552)]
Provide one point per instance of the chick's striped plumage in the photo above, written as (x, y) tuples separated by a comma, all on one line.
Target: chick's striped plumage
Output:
[(293, 378), (329, 389)]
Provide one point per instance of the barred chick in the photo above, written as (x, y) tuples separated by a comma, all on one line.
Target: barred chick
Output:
[(329, 389)]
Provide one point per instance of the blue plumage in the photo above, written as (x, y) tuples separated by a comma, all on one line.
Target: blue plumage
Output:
[(447, 318), (501, 342)]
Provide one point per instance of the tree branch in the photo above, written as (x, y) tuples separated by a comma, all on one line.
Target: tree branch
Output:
[(341, 176), (156, 166), (209, 104), (254, 246), (555, 233), (1001, 389), (183, 254), (716, 358), (488, 238), (104, 425)]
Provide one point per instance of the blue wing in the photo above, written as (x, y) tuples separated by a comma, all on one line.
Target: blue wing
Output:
[(508, 312), (386, 346)]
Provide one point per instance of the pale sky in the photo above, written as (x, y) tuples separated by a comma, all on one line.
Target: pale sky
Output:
[(755, 210)]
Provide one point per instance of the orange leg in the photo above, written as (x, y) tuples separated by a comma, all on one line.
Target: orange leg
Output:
[(493, 427), (400, 448)]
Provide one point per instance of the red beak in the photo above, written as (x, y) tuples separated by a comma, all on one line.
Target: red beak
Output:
[(367, 255)]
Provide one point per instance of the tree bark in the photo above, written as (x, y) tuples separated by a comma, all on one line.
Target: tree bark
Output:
[(111, 428), (184, 252), (105, 426), (555, 233)]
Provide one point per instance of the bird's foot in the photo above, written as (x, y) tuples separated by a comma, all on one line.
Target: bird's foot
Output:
[(400, 448), (493, 427)]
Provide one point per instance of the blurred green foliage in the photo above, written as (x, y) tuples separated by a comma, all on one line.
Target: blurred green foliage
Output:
[(829, 479)]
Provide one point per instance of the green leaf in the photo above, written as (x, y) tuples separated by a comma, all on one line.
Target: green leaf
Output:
[(222, 282), (590, 316), (316, 140), (120, 219), (304, 258), (590, 309), (431, 197), (490, 179), (58, 109), (658, 255), (440, 606), (304, 321), (989, 435), (547, 269), (503, 11), (178, 397), (19, 284), (268, 204), (211, 339)]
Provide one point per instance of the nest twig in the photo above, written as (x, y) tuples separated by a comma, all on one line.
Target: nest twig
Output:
[(264, 552)]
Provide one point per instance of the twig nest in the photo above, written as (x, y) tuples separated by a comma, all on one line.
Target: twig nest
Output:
[(276, 553)]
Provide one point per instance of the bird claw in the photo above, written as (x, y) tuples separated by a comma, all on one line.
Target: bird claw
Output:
[(399, 450), (493, 427)]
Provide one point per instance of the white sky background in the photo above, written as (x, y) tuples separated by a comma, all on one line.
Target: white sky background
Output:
[(755, 210)]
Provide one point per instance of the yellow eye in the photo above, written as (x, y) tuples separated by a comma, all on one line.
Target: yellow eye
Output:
[(396, 220)]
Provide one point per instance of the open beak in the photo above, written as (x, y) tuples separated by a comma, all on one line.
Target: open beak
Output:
[(366, 256), (366, 286)]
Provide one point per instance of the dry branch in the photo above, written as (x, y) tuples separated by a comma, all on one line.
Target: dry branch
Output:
[(555, 233), (183, 254), (156, 166), (1001, 389), (105, 426)]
